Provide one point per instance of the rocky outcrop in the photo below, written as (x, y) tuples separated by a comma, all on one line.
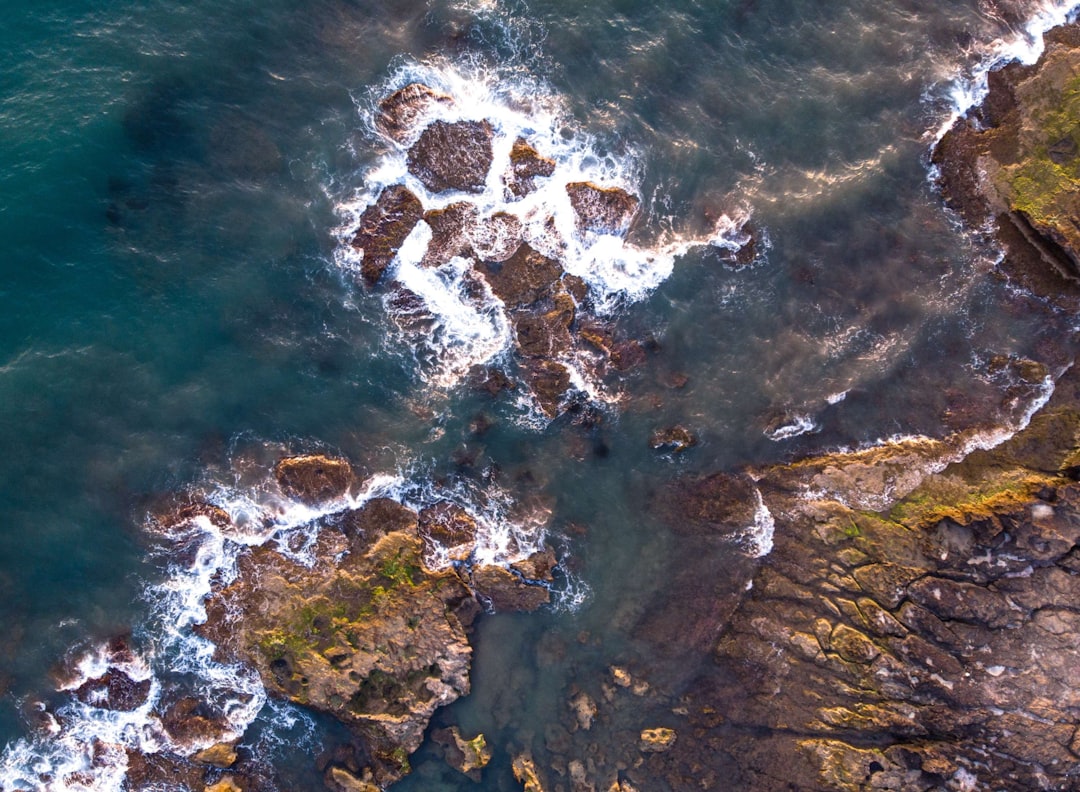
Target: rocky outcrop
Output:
[(383, 228), (547, 307), (453, 156), (1015, 158), (314, 478), (607, 210), (400, 112), (526, 165), (369, 634)]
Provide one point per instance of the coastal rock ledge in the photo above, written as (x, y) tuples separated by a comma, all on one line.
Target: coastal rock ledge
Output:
[(917, 623)]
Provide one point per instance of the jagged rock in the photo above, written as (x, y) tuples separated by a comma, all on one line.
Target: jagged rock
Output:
[(657, 740), (314, 478), (537, 566), (376, 518), (465, 756), (676, 439), (448, 526), (526, 164), (225, 784), (497, 237), (453, 156), (115, 690), (189, 719), (524, 278), (400, 111), (506, 591), (221, 755), (549, 382), (584, 708), (452, 230), (527, 775), (384, 226), (1012, 158), (546, 335), (606, 210), (191, 511), (371, 637)]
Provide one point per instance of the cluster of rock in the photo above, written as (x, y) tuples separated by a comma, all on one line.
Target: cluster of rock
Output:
[(915, 625), (368, 634), (547, 306)]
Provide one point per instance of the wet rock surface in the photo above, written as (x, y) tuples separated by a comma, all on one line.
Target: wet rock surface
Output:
[(383, 228), (1014, 158), (453, 156), (314, 478), (519, 255), (368, 633)]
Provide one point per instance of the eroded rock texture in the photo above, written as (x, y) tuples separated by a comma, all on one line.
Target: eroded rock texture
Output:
[(1016, 158)]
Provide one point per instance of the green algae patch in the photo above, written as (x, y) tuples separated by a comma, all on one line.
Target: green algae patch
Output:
[(1043, 183), (953, 498)]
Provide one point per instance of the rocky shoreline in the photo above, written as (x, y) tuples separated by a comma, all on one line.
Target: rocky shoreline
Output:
[(914, 625)]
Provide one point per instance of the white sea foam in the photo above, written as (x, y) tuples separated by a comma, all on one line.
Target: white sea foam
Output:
[(758, 536), (965, 90), (794, 426), (61, 756), (465, 328)]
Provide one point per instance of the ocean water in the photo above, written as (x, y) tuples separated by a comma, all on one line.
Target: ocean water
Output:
[(178, 308)]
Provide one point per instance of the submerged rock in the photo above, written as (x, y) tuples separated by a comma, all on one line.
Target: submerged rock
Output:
[(400, 112), (676, 439), (314, 478), (115, 690), (384, 226), (453, 156)]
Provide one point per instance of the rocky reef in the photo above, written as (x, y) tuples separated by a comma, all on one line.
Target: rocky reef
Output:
[(477, 228)]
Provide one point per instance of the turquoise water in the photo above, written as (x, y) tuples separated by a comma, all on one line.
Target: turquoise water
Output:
[(170, 179)]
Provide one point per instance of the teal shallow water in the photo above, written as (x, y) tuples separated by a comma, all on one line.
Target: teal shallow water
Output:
[(168, 184)]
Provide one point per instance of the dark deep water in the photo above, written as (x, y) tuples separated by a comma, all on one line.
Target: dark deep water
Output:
[(170, 183)]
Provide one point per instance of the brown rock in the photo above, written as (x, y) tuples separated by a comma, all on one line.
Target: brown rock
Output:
[(191, 720), (887, 583), (524, 278), (497, 238), (225, 784), (677, 439), (607, 210), (313, 478), (448, 526), (716, 503), (549, 382), (537, 566), (852, 645), (527, 775), (453, 156), (372, 638), (545, 335), (220, 755), (401, 110), (657, 740), (115, 690), (526, 164), (465, 756), (341, 780), (506, 591), (452, 229), (372, 521), (384, 227)]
